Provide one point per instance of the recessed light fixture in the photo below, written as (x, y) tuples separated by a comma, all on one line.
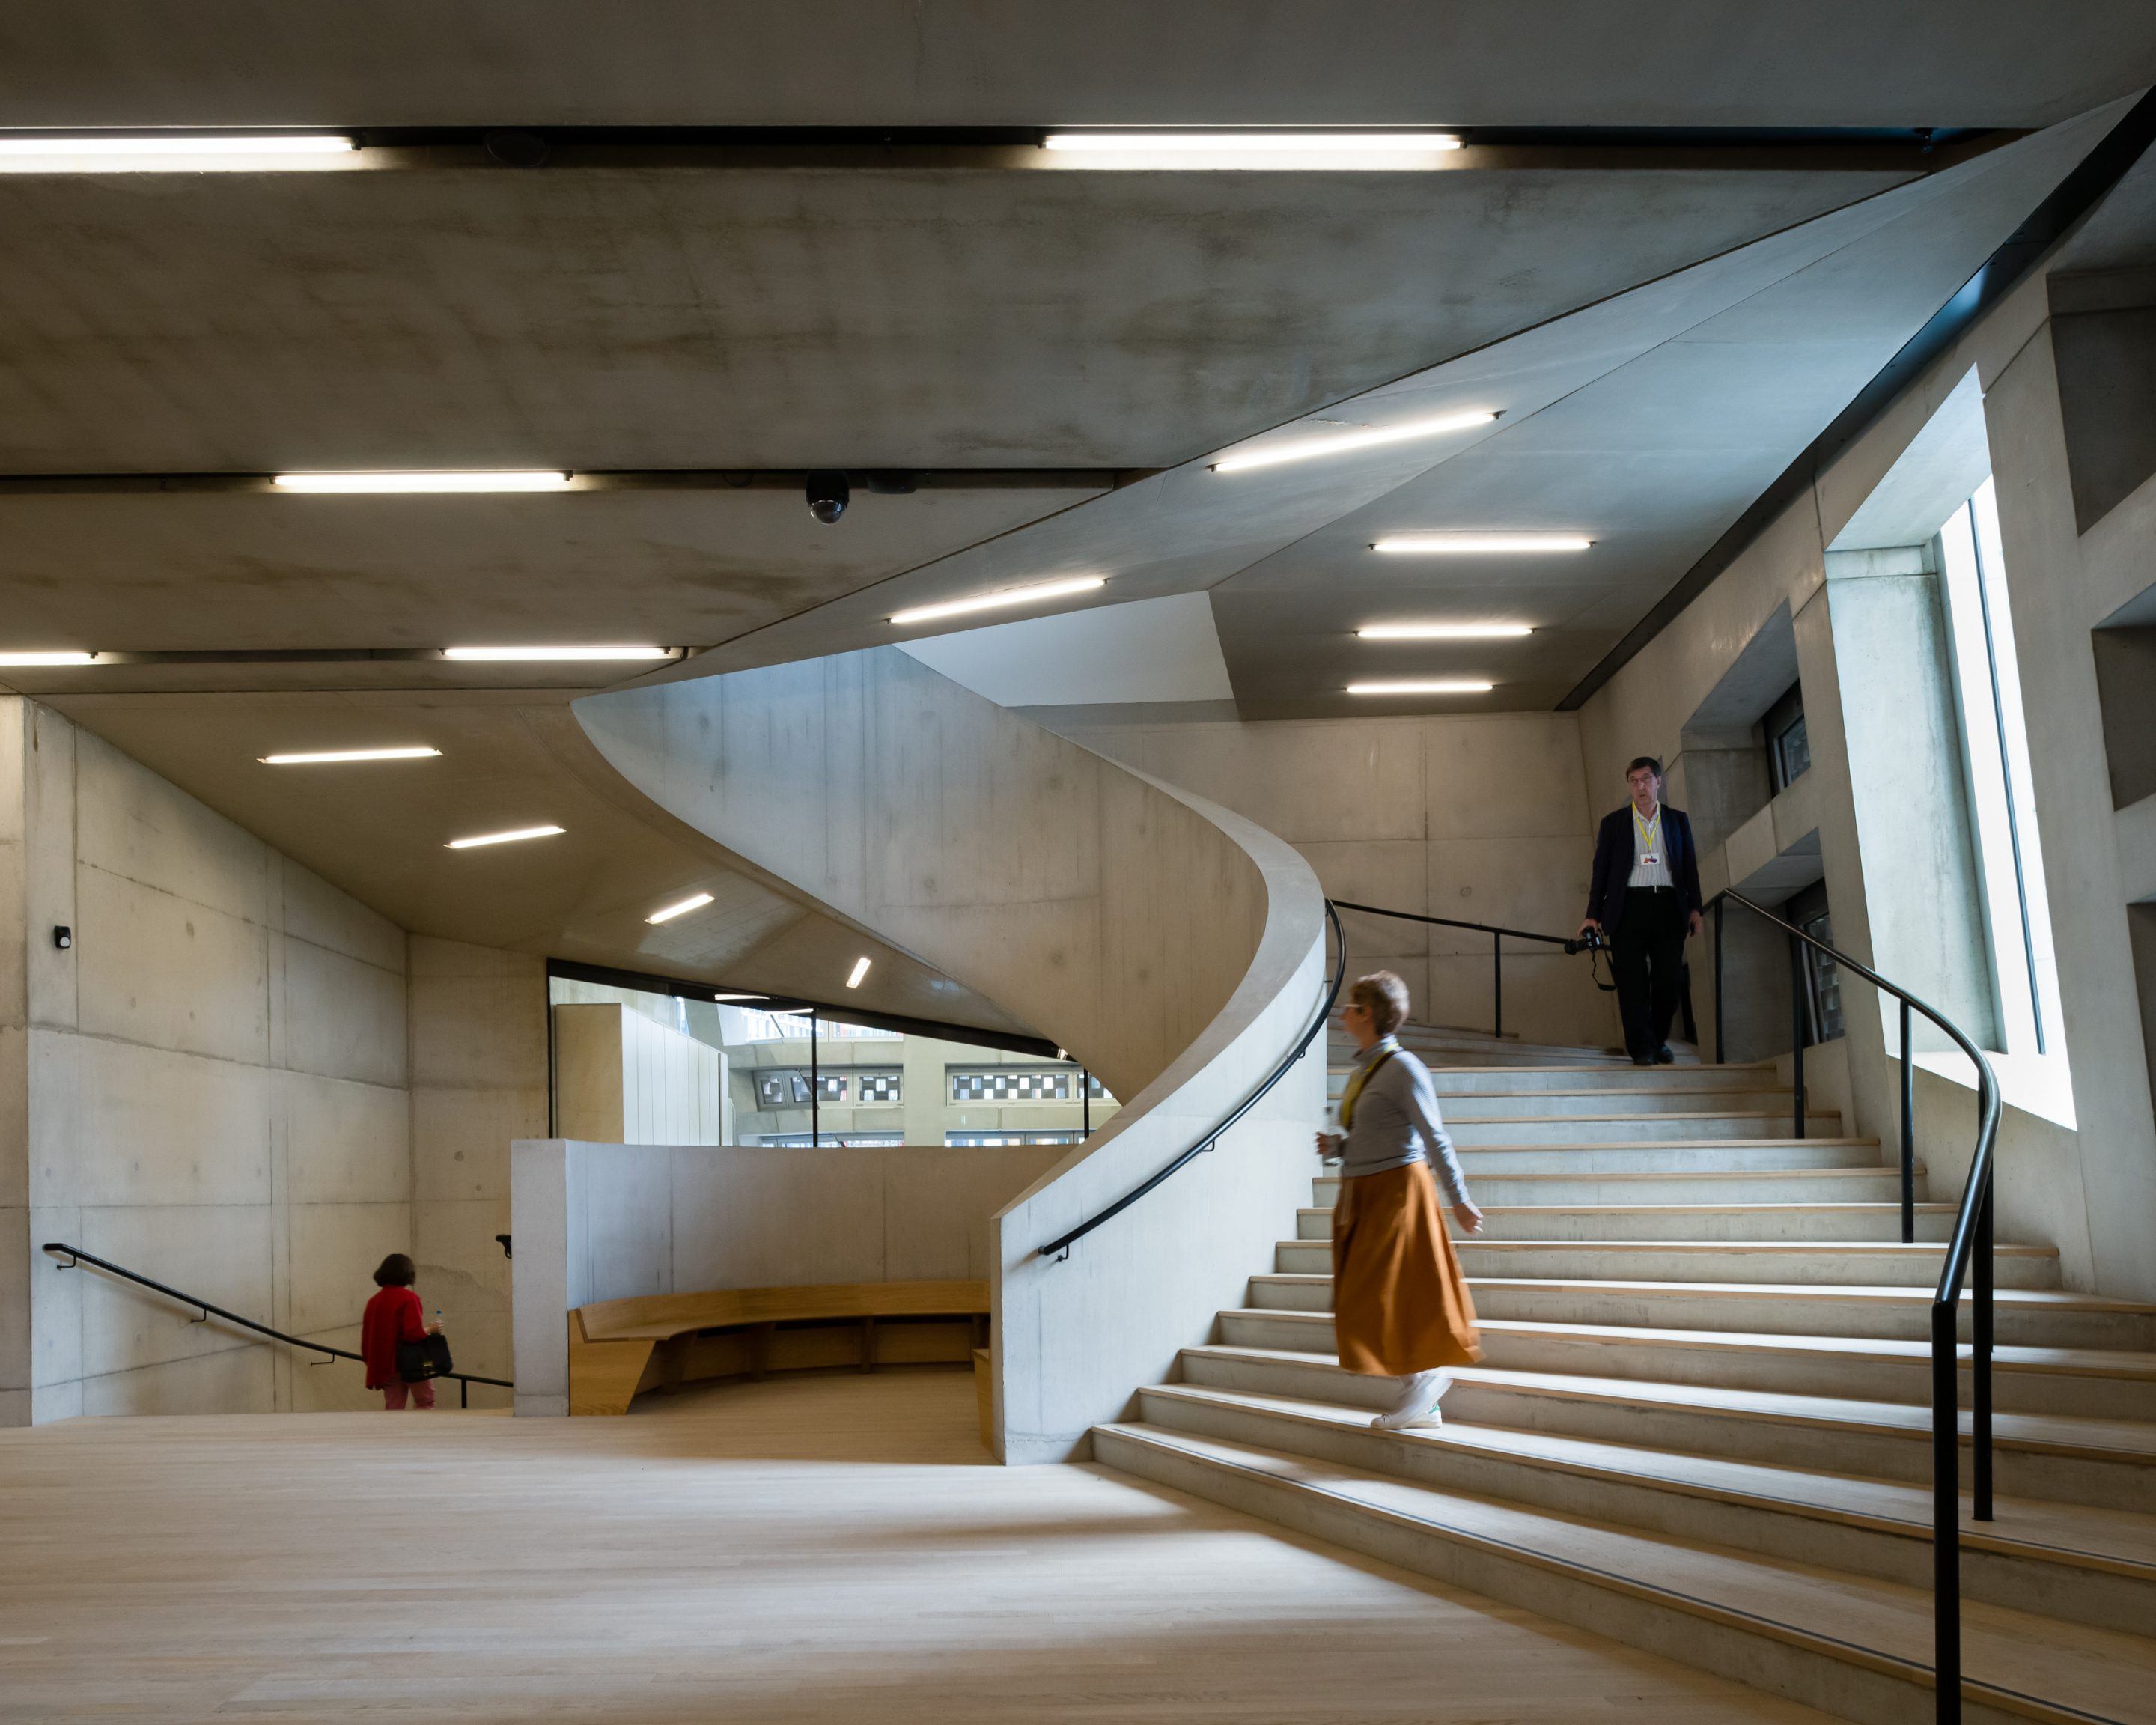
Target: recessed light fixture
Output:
[(1308, 448), (696, 902), (1445, 631), (8, 656), (1276, 150), (740, 997), (325, 757), (512, 654), (860, 970), (354, 482), (181, 152), (1477, 544), (1006, 596), (508, 837), (1441, 686)]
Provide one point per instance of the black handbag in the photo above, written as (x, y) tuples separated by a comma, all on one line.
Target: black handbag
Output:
[(427, 1358)]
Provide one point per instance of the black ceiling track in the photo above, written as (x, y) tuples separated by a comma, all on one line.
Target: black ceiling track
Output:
[(1998, 275), (1917, 149)]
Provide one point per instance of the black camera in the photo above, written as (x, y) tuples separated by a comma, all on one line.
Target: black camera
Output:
[(828, 494), (1591, 942)]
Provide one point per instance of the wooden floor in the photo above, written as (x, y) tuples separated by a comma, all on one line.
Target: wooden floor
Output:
[(814, 1548)]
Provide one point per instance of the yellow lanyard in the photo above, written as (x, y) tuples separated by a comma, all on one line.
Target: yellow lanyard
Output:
[(1649, 832), (1355, 1089)]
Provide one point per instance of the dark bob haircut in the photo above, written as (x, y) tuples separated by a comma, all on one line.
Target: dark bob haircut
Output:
[(397, 1271)]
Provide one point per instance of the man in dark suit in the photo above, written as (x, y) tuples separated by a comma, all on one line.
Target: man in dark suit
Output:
[(1645, 900)]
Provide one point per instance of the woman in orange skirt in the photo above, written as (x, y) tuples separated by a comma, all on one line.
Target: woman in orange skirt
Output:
[(1400, 1308)]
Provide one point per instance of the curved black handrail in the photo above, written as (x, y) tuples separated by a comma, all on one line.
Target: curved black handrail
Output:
[(76, 1255), (1058, 1249), (1518, 934), (1969, 1247), (1498, 934)]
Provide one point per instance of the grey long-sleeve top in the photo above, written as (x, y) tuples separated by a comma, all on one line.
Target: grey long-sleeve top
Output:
[(1396, 1123)]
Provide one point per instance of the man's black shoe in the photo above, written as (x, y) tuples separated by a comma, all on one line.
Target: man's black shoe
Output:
[(1641, 1061), (1663, 1057)]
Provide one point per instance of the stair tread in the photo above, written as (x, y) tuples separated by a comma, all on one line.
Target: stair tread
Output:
[(2066, 1533), (2125, 1439), (1834, 1139), (1816, 1247), (1861, 1171), (2077, 1362), (2015, 1654), (2054, 1299), (1624, 1065), (2095, 1670), (1785, 1208), (1454, 1117)]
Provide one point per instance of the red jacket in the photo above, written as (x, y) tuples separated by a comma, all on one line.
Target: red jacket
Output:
[(393, 1315)]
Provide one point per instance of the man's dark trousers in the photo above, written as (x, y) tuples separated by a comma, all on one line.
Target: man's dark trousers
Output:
[(1647, 958)]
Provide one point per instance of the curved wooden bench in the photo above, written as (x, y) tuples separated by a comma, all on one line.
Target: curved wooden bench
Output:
[(618, 1347)]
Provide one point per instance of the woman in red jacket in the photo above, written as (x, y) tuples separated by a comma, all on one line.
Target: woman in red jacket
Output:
[(393, 1315)]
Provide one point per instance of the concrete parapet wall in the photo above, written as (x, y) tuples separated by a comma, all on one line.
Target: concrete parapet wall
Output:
[(617, 1221)]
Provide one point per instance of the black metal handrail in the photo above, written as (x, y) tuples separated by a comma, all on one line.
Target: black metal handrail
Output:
[(1497, 934), (1968, 1256), (76, 1255), (1058, 1249)]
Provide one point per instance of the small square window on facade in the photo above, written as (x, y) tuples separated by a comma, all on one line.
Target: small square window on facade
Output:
[(1789, 745), (1011, 1084), (876, 1086), (781, 1087)]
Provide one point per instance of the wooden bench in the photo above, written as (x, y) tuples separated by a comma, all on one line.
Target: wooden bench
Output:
[(620, 1347)]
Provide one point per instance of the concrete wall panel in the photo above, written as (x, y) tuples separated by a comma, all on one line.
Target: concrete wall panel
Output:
[(133, 824), (312, 910), (191, 1086), (346, 1143), (340, 1244), (123, 1123), (341, 1017), (169, 973)]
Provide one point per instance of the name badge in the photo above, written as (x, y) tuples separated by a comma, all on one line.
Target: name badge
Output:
[(1649, 859)]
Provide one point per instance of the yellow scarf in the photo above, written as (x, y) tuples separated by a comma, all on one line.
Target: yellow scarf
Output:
[(1354, 1088)]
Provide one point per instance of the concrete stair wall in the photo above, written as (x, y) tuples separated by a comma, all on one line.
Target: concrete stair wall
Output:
[(1702, 1421)]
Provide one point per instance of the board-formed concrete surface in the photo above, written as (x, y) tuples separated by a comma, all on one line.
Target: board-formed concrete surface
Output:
[(822, 1548)]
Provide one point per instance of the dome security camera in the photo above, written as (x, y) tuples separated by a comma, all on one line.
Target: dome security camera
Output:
[(828, 494)]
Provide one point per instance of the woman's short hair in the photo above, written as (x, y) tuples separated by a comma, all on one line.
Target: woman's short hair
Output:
[(397, 1271), (1385, 996)]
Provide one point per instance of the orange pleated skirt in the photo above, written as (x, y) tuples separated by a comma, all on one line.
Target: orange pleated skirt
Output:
[(1400, 1303)]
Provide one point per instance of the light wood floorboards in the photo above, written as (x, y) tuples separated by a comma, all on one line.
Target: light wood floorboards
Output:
[(806, 1548)]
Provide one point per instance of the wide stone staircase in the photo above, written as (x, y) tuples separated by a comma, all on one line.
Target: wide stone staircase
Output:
[(1702, 1424)]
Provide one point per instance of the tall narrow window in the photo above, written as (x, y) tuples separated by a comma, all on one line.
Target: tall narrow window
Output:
[(1789, 745), (2002, 805)]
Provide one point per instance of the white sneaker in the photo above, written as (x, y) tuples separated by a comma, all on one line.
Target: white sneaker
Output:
[(1408, 1419), (1417, 1404)]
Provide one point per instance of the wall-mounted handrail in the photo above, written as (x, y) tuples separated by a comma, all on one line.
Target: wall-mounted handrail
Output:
[(1059, 1248), (1968, 1249), (76, 1256)]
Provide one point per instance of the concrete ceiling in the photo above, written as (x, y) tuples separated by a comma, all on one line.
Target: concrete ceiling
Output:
[(1647, 421), (669, 318), (1510, 63), (1663, 323), (510, 759)]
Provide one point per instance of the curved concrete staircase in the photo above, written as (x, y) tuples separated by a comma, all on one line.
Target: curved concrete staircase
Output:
[(1701, 1426)]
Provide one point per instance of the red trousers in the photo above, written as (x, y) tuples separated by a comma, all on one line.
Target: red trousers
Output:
[(396, 1389)]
